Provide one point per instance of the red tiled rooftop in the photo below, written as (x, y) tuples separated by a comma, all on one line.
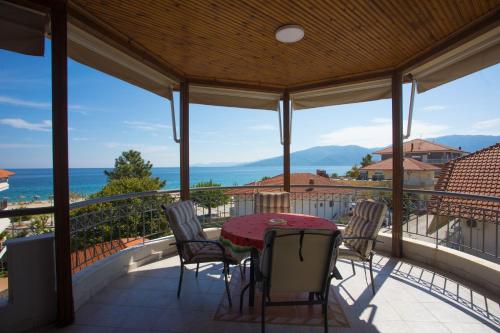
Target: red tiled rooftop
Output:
[(295, 179), (6, 173), (477, 173), (409, 164), (420, 146)]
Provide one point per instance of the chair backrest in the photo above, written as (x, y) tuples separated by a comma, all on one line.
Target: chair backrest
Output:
[(185, 225), (366, 220), (272, 202), (299, 260)]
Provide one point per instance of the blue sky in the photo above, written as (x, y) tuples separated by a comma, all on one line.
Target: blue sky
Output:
[(108, 116)]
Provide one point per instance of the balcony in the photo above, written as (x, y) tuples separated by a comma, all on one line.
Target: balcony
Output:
[(125, 269)]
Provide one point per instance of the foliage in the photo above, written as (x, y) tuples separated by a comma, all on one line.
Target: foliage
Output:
[(265, 178), (130, 164), (211, 198), (129, 218), (334, 175), (367, 160), (40, 224), (354, 172)]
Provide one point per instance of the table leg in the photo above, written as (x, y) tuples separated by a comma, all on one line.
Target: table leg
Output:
[(251, 291)]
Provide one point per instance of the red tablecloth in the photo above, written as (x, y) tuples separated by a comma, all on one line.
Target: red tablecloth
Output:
[(241, 234)]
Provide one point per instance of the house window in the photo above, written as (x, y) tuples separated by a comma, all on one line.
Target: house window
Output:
[(331, 204), (321, 204)]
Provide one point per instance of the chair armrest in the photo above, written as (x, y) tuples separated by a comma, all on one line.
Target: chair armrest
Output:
[(219, 245), (360, 237)]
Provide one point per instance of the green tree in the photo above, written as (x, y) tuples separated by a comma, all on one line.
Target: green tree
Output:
[(265, 178), (334, 175), (354, 172), (40, 224), (210, 198), (367, 160), (130, 164)]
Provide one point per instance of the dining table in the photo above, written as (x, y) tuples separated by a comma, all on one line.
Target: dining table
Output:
[(243, 236)]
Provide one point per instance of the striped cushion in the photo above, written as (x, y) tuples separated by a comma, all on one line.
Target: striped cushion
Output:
[(270, 202), (185, 226), (366, 222), (210, 253)]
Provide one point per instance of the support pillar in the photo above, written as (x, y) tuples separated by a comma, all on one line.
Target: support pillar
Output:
[(65, 308), (397, 164), (184, 145), (286, 141)]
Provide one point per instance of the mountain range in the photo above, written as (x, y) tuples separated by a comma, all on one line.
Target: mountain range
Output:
[(350, 155)]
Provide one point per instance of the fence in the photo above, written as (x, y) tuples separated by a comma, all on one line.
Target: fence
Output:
[(104, 226)]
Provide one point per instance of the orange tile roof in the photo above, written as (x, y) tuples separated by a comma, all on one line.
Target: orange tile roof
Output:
[(477, 173), (6, 173), (295, 179), (409, 164), (419, 146)]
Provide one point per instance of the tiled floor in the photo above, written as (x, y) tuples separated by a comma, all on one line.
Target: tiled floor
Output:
[(409, 299)]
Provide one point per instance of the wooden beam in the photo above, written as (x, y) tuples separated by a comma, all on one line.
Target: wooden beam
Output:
[(286, 141), (184, 145), (397, 164), (235, 85), (65, 309), (107, 33), (470, 31), (358, 78)]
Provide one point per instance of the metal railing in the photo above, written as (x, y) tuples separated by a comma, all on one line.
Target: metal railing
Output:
[(103, 226)]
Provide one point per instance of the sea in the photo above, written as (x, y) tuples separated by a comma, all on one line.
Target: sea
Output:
[(28, 184)]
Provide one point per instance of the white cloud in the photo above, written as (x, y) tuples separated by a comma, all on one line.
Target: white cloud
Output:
[(21, 102), (21, 146), (432, 108), (42, 105), (488, 124), (262, 127), (144, 126), (378, 133), (45, 125)]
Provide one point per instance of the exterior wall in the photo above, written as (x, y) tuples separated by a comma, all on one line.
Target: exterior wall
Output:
[(32, 294), (325, 206), (420, 179), (479, 235), (387, 174)]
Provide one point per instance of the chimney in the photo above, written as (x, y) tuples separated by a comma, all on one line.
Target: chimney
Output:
[(311, 182), (321, 173)]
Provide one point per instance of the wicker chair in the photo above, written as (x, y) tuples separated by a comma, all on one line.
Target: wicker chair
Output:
[(361, 232), (192, 244), (272, 202), (297, 261)]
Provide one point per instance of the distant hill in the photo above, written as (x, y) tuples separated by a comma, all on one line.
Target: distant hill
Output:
[(317, 156), (350, 155), (469, 143)]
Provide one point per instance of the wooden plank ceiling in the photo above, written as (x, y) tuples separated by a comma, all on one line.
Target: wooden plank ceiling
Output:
[(233, 41)]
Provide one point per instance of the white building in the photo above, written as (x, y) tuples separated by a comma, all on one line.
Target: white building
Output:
[(329, 203)]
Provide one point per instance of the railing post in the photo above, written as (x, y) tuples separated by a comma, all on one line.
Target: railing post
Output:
[(184, 145), (397, 164), (65, 309), (286, 141)]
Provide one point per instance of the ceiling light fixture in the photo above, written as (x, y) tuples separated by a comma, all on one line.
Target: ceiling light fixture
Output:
[(291, 33)]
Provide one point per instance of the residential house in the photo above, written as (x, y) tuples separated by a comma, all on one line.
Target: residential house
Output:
[(473, 223), (417, 174), (4, 185), (329, 203), (425, 151)]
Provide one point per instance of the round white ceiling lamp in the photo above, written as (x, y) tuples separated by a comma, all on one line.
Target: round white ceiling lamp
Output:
[(290, 33)]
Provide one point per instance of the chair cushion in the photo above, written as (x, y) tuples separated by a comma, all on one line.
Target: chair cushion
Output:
[(366, 222), (210, 252), (271, 202), (185, 226)]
